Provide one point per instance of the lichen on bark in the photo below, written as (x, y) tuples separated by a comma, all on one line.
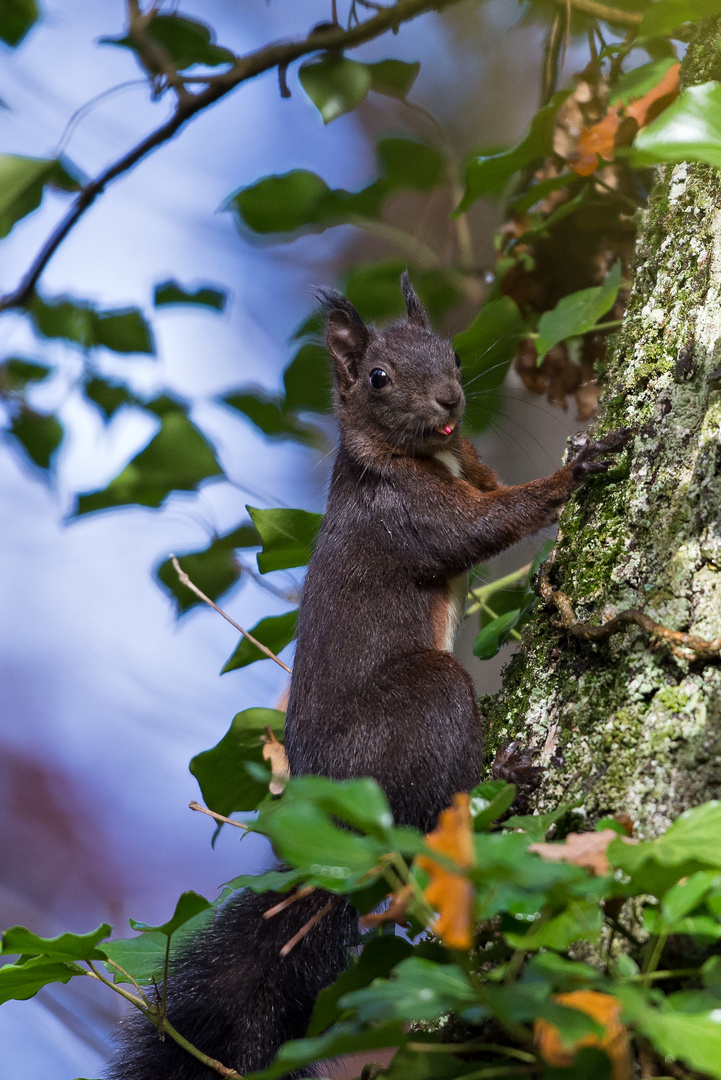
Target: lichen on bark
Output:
[(625, 725)]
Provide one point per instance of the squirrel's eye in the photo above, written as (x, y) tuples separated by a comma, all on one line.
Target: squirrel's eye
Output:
[(458, 359), (378, 378)]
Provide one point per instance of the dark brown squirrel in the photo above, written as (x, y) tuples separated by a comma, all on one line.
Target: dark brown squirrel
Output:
[(375, 689)]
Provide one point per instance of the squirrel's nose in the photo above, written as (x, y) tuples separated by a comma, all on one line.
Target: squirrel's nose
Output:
[(449, 396)]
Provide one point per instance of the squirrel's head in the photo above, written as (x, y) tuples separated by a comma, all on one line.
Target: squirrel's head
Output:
[(397, 390)]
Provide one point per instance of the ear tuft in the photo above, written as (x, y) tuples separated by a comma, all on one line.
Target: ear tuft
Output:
[(416, 312), (346, 335)]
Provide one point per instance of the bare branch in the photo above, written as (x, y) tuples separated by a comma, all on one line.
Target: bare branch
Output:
[(218, 817), (243, 69), (185, 580), (685, 646), (305, 891), (606, 12)]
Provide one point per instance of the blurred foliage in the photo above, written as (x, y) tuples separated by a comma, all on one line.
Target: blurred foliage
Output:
[(496, 919)]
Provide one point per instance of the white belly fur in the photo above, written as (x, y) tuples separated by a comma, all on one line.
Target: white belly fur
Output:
[(451, 462), (457, 592)]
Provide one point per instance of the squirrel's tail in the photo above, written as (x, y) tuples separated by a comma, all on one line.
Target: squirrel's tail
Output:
[(233, 996)]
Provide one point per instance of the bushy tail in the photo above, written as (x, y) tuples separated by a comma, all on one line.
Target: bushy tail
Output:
[(233, 996)]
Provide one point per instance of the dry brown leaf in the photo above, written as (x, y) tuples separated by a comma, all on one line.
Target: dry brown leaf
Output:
[(595, 140), (606, 1010), (451, 894), (396, 912), (274, 752), (582, 849), (646, 108)]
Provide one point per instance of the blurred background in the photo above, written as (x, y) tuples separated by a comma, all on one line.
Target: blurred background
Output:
[(104, 694)]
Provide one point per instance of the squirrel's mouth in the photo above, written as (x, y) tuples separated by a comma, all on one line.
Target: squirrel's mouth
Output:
[(445, 429)]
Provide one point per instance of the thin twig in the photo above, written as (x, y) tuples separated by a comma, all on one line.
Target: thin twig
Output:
[(243, 69), (185, 580), (305, 891), (218, 817), (307, 927), (686, 646), (606, 12)]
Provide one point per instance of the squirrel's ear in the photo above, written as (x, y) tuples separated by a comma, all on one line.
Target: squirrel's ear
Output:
[(346, 335), (416, 312)]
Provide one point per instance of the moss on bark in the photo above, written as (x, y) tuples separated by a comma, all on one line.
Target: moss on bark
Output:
[(626, 726)]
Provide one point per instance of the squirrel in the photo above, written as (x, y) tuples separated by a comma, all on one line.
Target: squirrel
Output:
[(375, 689)]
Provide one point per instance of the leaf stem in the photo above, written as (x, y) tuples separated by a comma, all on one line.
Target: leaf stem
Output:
[(470, 1047), (484, 591)]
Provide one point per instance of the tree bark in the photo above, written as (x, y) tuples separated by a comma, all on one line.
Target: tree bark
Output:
[(626, 726)]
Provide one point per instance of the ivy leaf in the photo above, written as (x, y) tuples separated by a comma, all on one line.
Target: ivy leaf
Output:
[(271, 417), (188, 906), (224, 784), (486, 349), (39, 435), (108, 396), (335, 84), (214, 569), (123, 330), (578, 313), (186, 41), (179, 458), (18, 939), (663, 17), (275, 632), (143, 956), (643, 79), (418, 990), (495, 634), (688, 130), (16, 373), (394, 78), (171, 293), (23, 181), (484, 174), (16, 18), (287, 536), (23, 980)]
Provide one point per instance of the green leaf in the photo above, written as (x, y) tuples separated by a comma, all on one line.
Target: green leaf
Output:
[(272, 418), (418, 990), (108, 396), (21, 981), (537, 825), (408, 164), (341, 1039), (581, 921), (185, 41), (688, 130), (300, 201), (693, 1040), (578, 313), (636, 83), (39, 435), (214, 569), (495, 634), (18, 939), (484, 174), (123, 330), (179, 458), (23, 181), (394, 78), (287, 536), (486, 349), (665, 16), (361, 803), (373, 289), (687, 894), (489, 801), (307, 380), (224, 784), (691, 843), (188, 906), (16, 18), (16, 373), (275, 632), (335, 84), (171, 293), (377, 960)]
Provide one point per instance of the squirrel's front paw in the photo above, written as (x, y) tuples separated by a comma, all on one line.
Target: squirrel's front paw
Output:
[(587, 459)]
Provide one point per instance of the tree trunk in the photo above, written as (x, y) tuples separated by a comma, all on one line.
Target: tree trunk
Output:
[(625, 725)]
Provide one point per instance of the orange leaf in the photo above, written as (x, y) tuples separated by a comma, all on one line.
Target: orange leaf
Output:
[(451, 894), (274, 753), (605, 1010), (595, 140), (582, 849), (642, 110)]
